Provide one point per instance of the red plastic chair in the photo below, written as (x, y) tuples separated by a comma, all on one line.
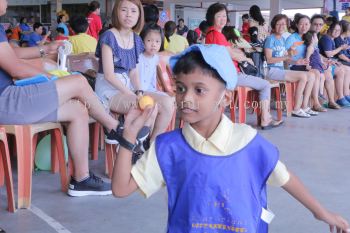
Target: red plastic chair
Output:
[(246, 96), (25, 146), (290, 92), (6, 171)]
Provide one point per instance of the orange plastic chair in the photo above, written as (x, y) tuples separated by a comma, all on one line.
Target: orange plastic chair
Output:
[(110, 153), (290, 92), (25, 146), (241, 95), (6, 171)]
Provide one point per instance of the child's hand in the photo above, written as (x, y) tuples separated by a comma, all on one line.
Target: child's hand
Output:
[(308, 67), (135, 119), (336, 222)]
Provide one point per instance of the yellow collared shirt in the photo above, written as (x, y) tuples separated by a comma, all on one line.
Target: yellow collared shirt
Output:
[(83, 43), (226, 139)]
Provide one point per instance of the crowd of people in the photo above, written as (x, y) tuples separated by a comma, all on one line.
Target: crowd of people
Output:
[(128, 52)]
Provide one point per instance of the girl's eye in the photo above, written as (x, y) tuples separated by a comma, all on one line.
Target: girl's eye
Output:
[(180, 89)]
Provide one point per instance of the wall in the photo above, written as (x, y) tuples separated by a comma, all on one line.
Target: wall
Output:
[(193, 16)]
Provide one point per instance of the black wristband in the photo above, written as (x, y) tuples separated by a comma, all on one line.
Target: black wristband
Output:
[(137, 92), (125, 143)]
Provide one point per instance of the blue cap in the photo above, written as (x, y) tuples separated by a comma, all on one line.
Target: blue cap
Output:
[(217, 57)]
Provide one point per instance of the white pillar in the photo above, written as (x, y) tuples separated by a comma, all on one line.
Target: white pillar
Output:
[(234, 19), (275, 8)]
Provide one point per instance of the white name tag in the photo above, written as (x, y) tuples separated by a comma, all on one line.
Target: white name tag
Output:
[(267, 215)]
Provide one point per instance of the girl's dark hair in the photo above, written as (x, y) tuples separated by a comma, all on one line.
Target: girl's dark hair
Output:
[(94, 5), (22, 19), (192, 37), (297, 18), (37, 25), (169, 29), (255, 13), (245, 16), (60, 30), (151, 13), (79, 24), (277, 18), (332, 27), (153, 27), (59, 18), (307, 37), (345, 26), (212, 10), (193, 60), (229, 33), (203, 26), (253, 33)]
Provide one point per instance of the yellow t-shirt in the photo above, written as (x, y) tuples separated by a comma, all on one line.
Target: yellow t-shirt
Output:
[(324, 29), (227, 138), (177, 44), (346, 17), (83, 43)]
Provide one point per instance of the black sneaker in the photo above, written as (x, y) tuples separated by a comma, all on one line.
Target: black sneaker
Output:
[(92, 185), (111, 137), (2, 231)]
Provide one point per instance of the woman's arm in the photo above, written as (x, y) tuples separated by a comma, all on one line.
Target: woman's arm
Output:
[(271, 60), (334, 52), (34, 52), (344, 57), (238, 55), (309, 51), (135, 78), (295, 188), (14, 66), (108, 69)]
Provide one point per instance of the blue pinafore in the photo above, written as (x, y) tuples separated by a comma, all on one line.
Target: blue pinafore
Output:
[(215, 193)]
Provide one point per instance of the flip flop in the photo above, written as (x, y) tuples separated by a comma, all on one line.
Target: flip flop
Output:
[(272, 124)]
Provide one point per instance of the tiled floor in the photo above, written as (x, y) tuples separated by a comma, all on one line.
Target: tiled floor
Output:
[(317, 150)]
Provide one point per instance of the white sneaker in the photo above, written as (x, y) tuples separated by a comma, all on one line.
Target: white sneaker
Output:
[(309, 111), (300, 113)]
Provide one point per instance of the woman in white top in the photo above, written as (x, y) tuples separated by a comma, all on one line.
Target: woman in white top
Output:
[(257, 20)]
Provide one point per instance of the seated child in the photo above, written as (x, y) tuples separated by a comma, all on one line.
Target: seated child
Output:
[(36, 38), (152, 36), (81, 42), (215, 171), (254, 41), (60, 34), (323, 70)]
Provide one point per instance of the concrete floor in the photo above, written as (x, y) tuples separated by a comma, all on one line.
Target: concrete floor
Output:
[(317, 150)]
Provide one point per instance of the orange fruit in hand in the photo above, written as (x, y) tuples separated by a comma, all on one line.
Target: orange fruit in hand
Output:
[(146, 101)]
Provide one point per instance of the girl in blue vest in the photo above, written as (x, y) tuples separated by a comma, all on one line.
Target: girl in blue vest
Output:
[(215, 171)]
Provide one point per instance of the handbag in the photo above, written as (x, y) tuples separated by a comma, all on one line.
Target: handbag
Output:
[(248, 68)]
